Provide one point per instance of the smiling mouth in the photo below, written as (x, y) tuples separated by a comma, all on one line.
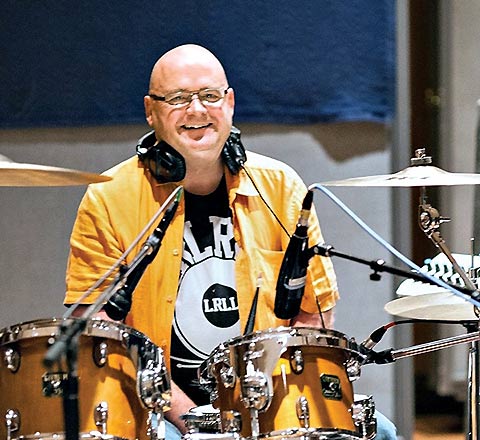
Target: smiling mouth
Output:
[(195, 127)]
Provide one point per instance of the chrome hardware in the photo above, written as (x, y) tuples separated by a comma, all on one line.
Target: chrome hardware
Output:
[(11, 358), (100, 415), (12, 422), (353, 368), (153, 386), (363, 415), (156, 426), (52, 384), (231, 421), (297, 362), (254, 388), (228, 376), (303, 411), (254, 423), (100, 354)]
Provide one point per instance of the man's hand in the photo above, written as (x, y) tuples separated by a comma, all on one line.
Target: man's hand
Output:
[(304, 319), (180, 404)]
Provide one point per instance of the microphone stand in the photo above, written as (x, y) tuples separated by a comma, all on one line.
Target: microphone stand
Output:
[(380, 266), (66, 342)]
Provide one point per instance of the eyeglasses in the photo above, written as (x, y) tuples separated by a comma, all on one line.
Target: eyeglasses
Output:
[(182, 98)]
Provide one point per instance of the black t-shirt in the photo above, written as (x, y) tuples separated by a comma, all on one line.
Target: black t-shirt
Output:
[(206, 310)]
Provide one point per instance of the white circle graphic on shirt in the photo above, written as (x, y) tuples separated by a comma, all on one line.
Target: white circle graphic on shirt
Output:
[(201, 306)]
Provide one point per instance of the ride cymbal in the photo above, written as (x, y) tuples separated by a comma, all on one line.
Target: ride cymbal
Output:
[(23, 174), (418, 175), (433, 306)]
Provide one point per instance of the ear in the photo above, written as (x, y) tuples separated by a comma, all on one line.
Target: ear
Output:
[(148, 104), (231, 97)]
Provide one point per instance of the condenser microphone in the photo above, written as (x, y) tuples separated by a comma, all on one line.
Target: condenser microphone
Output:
[(293, 271), (120, 303)]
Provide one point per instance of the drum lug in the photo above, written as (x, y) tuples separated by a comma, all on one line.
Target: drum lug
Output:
[(12, 422), (297, 362), (100, 354), (303, 411), (100, 415), (228, 376), (12, 358)]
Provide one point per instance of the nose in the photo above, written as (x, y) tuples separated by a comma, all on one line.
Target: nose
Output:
[(196, 105)]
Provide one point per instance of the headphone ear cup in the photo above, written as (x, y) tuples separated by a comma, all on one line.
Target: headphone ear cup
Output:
[(164, 162), (233, 153)]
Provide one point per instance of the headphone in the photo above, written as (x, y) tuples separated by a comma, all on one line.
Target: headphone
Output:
[(167, 165)]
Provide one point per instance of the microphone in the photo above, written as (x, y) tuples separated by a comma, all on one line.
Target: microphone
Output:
[(119, 304), (293, 271)]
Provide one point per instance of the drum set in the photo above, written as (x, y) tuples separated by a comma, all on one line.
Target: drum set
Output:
[(279, 383)]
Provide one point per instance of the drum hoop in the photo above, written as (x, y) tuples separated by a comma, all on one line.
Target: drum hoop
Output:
[(138, 346), (334, 434), (299, 336), (49, 327)]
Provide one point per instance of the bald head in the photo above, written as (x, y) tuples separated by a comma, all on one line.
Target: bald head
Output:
[(168, 71)]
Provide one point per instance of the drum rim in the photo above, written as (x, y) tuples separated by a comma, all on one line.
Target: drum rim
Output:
[(48, 327), (308, 432), (341, 340)]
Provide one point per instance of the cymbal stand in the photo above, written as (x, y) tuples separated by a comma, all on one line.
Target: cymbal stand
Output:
[(429, 220)]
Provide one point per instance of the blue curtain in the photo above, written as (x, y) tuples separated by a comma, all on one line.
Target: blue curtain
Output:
[(73, 63)]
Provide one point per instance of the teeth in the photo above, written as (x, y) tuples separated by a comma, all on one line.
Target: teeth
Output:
[(195, 126)]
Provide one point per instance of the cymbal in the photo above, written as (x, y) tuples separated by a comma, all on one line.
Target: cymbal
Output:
[(417, 175), (433, 306), (23, 174)]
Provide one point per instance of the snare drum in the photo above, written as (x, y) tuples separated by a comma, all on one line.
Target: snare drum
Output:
[(116, 367), (203, 418), (289, 382)]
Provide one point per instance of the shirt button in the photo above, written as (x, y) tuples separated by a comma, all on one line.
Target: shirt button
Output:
[(169, 299), (175, 252)]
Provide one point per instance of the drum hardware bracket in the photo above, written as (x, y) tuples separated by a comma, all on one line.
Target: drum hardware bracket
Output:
[(12, 359), (12, 422), (363, 418), (151, 387), (254, 389), (303, 411), (231, 421), (297, 363), (100, 415), (53, 383), (100, 354), (228, 376)]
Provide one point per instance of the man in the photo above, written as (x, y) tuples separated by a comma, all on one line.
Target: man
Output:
[(228, 233)]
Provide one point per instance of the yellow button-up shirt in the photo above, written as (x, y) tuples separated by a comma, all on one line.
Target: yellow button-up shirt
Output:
[(112, 214)]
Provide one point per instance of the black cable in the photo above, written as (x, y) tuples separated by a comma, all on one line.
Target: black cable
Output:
[(265, 202)]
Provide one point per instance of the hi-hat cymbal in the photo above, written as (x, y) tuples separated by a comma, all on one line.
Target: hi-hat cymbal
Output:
[(433, 306), (23, 174), (417, 175)]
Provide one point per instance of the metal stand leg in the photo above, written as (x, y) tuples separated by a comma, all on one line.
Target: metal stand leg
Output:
[(473, 390)]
